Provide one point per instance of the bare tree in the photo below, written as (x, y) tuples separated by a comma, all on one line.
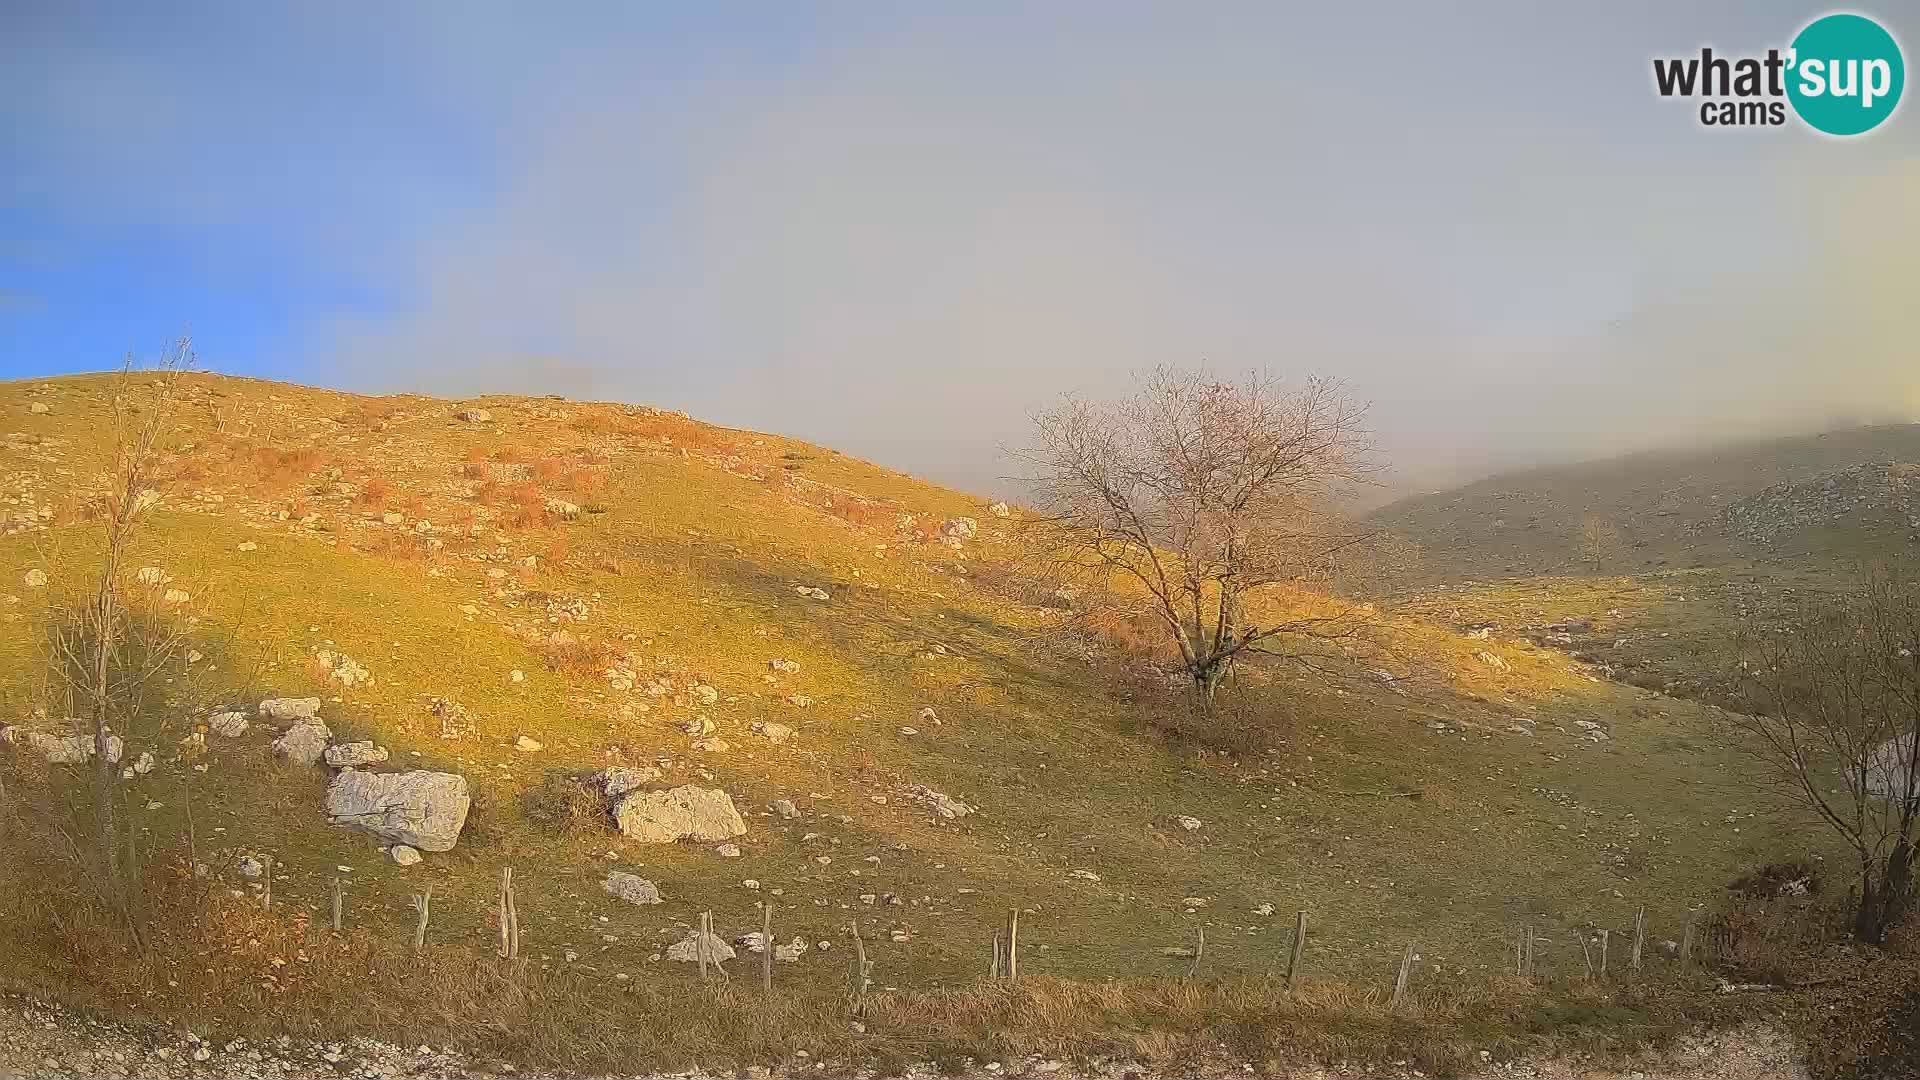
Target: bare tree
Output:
[(105, 650), (1838, 706), (1599, 542), (1210, 496)]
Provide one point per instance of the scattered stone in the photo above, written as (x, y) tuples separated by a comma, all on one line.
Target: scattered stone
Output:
[(528, 745), (804, 590), (404, 855), (1000, 510), (774, 731), (152, 575), (228, 723), (304, 743), (63, 749), (306, 708), (632, 888), (563, 509), (784, 808), (474, 416), (39, 408), (516, 675), (35, 578), (354, 755), (251, 867), (248, 545), (1188, 823), (616, 780), (682, 813), (419, 808), (955, 530), (712, 745), (455, 721), (707, 694), (784, 667), (1493, 660), (343, 669), (697, 726), (176, 597), (945, 805), (728, 851)]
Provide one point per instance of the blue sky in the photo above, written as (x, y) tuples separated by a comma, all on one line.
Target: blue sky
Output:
[(897, 229)]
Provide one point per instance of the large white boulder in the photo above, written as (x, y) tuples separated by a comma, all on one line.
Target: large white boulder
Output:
[(683, 813), (421, 809)]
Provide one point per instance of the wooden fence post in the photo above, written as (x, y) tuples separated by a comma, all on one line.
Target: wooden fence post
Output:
[(1199, 950), (1586, 954), (1013, 943), (862, 967), (1400, 982), (266, 898), (999, 947), (700, 942), (1639, 938), (1605, 937), (1299, 947), (336, 905), (766, 948), (506, 922), (423, 902), (513, 919)]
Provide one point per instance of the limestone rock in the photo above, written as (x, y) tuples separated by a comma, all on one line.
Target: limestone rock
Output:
[(1000, 510), (617, 780), (785, 808), (354, 754), (632, 888), (774, 731), (35, 578), (230, 723), (474, 416), (343, 669), (682, 813), (305, 743), (419, 808), (62, 749), (945, 805), (305, 708), (1187, 823), (403, 855), (527, 745)]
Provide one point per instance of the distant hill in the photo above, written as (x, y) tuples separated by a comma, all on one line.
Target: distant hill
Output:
[(1671, 509)]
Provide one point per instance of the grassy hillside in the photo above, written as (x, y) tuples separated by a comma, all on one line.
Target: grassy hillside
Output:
[(1668, 509), (550, 566)]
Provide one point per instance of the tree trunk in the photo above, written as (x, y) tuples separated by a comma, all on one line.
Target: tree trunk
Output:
[(103, 766)]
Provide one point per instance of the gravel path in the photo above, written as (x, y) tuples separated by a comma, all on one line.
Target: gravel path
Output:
[(39, 1042)]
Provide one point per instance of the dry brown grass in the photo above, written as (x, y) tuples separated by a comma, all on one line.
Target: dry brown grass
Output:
[(582, 657), (375, 493), (857, 511)]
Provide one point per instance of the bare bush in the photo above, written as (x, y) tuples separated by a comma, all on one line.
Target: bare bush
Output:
[(1210, 507), (1837, 711), (107, 650)]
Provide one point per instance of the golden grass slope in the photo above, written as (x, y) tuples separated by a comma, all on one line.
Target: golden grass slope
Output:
[(1447, 802)]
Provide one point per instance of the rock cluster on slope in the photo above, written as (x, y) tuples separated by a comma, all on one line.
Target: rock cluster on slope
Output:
[(1864, 494)]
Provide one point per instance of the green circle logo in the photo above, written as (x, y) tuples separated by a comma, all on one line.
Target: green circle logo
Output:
[(1845, 74)]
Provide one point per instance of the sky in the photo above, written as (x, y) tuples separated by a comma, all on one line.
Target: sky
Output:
[(899, 230)]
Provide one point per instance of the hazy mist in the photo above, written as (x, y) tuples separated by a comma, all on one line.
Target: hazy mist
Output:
[(898, 233)]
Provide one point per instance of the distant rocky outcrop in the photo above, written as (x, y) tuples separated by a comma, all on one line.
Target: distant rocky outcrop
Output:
[(1866, 495)]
